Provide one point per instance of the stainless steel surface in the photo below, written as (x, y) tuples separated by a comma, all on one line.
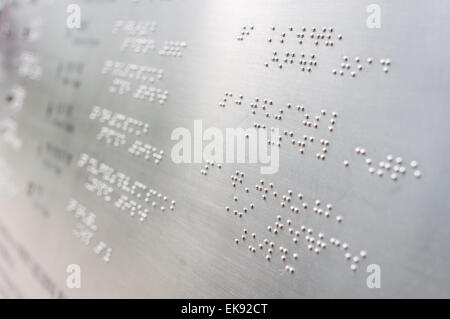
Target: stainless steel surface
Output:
[(51, 80)]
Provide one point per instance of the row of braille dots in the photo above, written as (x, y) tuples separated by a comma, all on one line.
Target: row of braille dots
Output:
[(325, 143), (313, 245), (317, 35), (315, 124), (266, 103), (134, 190), (355, 260), (300, 143), (286, 200), (307, 116), (123, 203), (161, 197), (237, 212), (120, 180), (151, 93), (132, 71), (385, 166), (205, 169), (320, 243), (172, 48), (346, 65), (278, 226), (138, 148), (229, 95), (134, 27), (255, 105), (305, 64), (138, 44), (270, 249), (311, 240), (119, 121), (317, 209), (245, 32), (111, 136)]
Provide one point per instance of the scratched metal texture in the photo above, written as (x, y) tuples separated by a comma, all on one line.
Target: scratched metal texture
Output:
[(190, 252)]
